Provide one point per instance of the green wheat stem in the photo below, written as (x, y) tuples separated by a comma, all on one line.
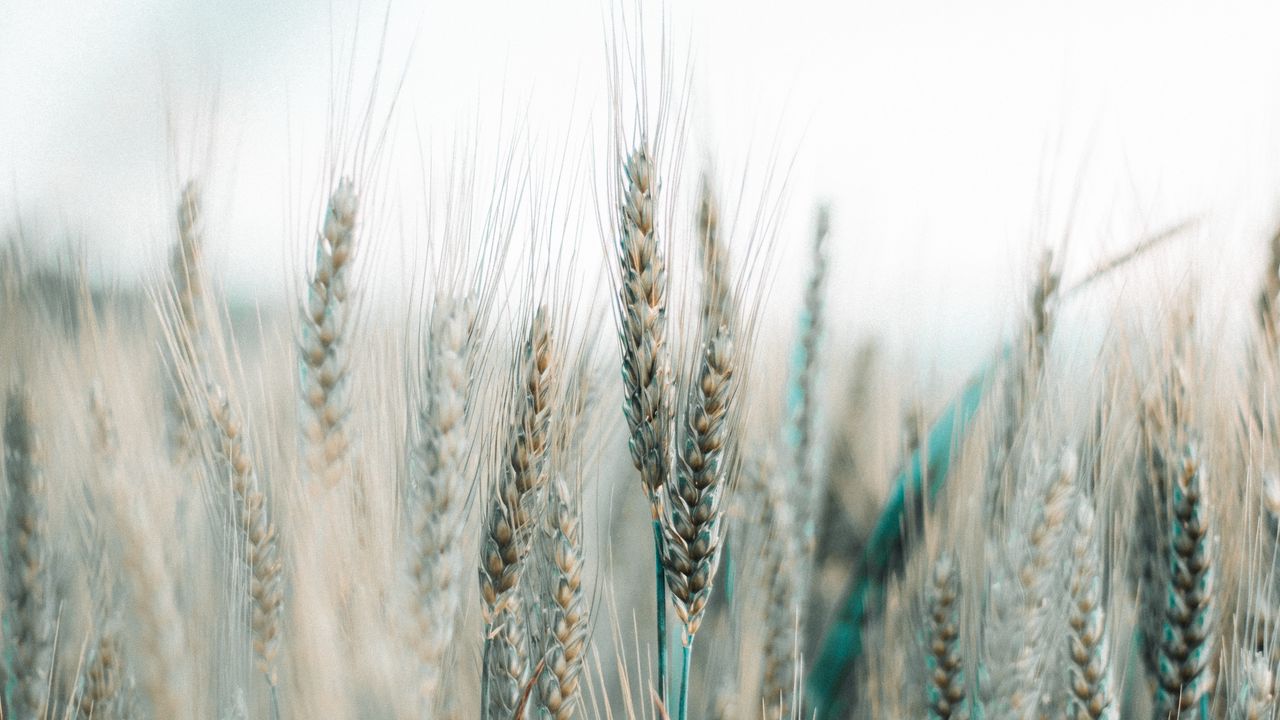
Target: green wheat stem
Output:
[(842, 645), (484, 679), (660, 596), (686, 657)]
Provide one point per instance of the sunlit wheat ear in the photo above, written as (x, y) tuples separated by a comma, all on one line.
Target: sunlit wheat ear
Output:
[(1186, 645), (325, 330), (1256, 698), (642, 317), (29, 607), (439, 487), (693, 522), (508, 529), (255, 534), (559, 685), (946, 690), (183, 418), (1091, 684)]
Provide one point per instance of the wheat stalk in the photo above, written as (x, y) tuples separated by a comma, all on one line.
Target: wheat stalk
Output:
[(646, 366), (323, 352)]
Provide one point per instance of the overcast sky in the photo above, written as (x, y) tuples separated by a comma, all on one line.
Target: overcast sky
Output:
[(948, 136)]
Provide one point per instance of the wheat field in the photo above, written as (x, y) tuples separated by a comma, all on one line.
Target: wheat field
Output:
[(566, 461)]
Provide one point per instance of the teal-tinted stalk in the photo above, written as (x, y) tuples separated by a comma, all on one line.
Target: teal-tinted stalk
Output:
[(660, 592), (885, 552)]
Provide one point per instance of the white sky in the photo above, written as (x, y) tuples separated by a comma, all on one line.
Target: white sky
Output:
[(947, 135)]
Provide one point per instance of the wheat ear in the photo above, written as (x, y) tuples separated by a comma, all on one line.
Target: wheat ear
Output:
[(693, 523), (778, 676), (27, 583), (717, 292), (1091, 683), (256, 535), (803, 389), (508, 532), (439, 467), (566, 636), (1023, 600), (188, 287), (646, 365), (1187, 642), (324, 356), (946, 692)]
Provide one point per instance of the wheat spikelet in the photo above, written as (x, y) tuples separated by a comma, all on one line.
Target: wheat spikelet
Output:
[(256, 535), (693, 521), (1091, 683), (507, 541), (29, 628), (642, 324), (439, 487), (323, 353), (946, 692)]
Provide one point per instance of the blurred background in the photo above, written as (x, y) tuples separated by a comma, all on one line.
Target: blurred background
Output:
[(954, 141)]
